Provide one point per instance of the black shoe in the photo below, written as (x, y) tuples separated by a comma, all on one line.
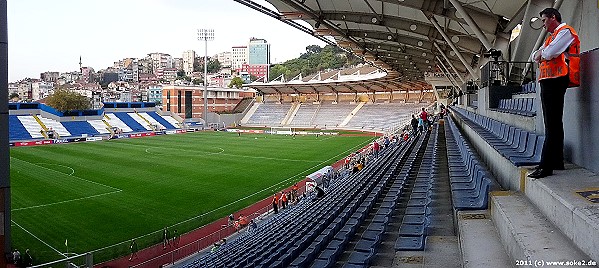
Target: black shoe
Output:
[(540, 173)]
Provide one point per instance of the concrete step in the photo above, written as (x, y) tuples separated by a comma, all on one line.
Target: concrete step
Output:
[(527, 235), (479, 241), (561, 198)]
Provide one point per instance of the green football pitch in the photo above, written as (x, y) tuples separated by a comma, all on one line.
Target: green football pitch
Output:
[(98, 194)]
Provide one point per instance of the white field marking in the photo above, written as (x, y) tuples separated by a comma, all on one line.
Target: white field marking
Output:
[(79, 178), (66, 201), (155, 147), (221, 152), (236, 201), (274, 158), (39, 239), (72, 170)]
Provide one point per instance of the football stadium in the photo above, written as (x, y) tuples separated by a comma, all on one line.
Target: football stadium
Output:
[(449, 145)]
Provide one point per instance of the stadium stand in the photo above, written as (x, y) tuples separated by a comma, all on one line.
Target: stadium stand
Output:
[(99, 126), (56, 126), (16, 130), (116, 121), (151, 120), (137, 118), (79, 128), (332, 115), (269, 114), (348, 223), (172, 121), (305, 115), (156, 117), (31, 125), (376, 116), (471, 182)]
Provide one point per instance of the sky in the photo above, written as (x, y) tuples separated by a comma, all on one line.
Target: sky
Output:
[(48, 35)]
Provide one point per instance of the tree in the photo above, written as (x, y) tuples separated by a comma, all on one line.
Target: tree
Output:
[(236, 82), (65, 100), (181, 73), (197, 81), (13, 95)]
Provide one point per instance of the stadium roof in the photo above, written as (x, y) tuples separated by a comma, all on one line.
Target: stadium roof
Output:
[(406, 38), (354, 80)]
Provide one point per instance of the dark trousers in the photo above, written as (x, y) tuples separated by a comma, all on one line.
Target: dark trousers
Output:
[(553, 91)]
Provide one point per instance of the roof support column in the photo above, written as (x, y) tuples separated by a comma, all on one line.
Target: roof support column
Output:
[(449, 77), (477, 31), (449, 62), (450, 43)]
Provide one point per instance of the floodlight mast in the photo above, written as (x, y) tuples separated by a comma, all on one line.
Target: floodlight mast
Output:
[(205, 35)]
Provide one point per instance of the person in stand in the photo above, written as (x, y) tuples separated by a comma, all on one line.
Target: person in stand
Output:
[(283, 200), (375, 148), (133, 248), (414, 123), (559, 62), (424, 117), (275, 203), (252, 226), (294, 189)]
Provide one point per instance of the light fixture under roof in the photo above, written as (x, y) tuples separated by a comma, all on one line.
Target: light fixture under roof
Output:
[(420, 43), (389, 37), (405, 57), (374, 20), (423, 54), (413, 27), (427, 61), (455, 39)]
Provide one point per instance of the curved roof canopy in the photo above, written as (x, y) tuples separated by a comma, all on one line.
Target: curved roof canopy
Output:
[(408, 38)]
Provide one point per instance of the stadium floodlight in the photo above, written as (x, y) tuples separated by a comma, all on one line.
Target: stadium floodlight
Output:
[(205, 35)]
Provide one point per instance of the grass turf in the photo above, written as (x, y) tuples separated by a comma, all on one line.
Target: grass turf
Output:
[(104, 193)]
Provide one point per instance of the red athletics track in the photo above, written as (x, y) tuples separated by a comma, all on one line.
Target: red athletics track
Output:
[(191, 242)]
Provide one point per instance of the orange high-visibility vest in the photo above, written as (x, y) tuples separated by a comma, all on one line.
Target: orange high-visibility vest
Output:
[(562, 65)]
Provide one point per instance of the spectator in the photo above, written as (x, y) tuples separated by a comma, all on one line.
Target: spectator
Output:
[(27, 259), (252, 226), (275, 203), (414, 123), (283, 200), (424, 116), (294, 189), (375, 149)]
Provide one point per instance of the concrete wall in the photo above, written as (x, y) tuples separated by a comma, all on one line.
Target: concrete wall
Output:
[(581, 123)]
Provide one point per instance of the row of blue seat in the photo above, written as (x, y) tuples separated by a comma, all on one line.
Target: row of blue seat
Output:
[(519, 106), (528, 88), (413, 228), (521, 147), (16, 130), (311, 225), (470, 180)]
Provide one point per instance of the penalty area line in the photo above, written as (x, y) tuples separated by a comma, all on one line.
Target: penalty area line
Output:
[(66, 201), (34, 236)]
